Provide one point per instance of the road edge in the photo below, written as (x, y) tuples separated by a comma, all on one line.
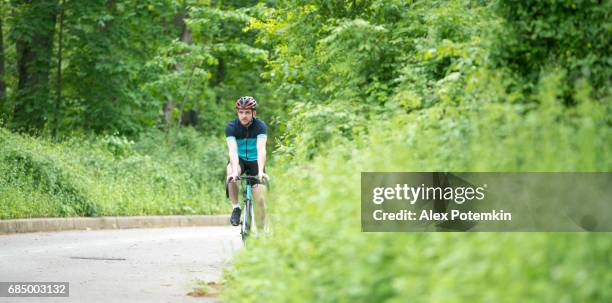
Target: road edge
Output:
[(14, 226)]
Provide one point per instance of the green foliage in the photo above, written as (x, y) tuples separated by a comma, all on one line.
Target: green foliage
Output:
[(316, 247), (26, 171), (105, 46), (122, 63), (31, 28), (218, 63), (111, 175), (428, 94), (183, 73), (355, 56), (572, 35)]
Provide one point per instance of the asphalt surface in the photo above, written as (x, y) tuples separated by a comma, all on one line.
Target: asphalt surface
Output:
[(129, 265)]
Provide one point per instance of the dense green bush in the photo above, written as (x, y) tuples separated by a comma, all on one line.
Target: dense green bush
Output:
[(111, 175), (441, 98), (571, 35), (317, 250), (27, 170)]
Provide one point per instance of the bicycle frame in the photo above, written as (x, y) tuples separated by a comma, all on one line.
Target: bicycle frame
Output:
[(249, 210)]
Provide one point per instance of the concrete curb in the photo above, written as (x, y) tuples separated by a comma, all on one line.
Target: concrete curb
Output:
[(59, 224)]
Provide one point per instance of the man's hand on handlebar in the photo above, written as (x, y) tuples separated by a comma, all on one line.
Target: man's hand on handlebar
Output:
[(232, 178), (263, 177)]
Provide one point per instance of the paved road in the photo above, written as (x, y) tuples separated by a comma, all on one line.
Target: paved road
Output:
[(131, 265)]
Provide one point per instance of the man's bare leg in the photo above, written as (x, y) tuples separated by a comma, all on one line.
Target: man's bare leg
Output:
[(259, 191), (233, 186)]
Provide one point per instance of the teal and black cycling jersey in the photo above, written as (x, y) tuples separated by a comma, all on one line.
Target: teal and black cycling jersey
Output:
[(246, 137)]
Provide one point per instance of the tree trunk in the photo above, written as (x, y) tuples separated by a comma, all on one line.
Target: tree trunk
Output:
[(34, 64), (220, 74), (186, 37), (58, 90)]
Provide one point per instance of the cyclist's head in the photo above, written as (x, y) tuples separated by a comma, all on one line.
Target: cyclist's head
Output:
[(246, 107), (246, 102)]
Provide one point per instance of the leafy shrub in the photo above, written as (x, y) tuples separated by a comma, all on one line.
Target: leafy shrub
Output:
[(111, 176), (570, 35), (316, 247), (117, 145), (44, 176), (449, 104)]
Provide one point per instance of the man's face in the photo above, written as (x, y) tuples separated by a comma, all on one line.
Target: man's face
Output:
[(245, 116)]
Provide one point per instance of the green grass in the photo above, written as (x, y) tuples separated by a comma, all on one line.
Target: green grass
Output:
[(111, 175)]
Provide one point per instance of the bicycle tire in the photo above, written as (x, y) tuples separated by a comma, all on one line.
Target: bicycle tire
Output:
[(247, 220)]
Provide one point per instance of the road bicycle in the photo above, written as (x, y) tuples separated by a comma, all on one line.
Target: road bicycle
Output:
[(248, 210)]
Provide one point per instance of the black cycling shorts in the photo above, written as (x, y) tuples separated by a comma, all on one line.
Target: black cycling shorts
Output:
[(250, 168)]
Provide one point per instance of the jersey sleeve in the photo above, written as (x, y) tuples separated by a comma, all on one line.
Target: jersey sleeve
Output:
[(262, 132), (230, 133)]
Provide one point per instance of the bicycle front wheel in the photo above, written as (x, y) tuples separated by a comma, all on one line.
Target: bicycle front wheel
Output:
[(247, 220)]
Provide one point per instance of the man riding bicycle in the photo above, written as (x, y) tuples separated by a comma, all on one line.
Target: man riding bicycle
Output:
[(246, 142)]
